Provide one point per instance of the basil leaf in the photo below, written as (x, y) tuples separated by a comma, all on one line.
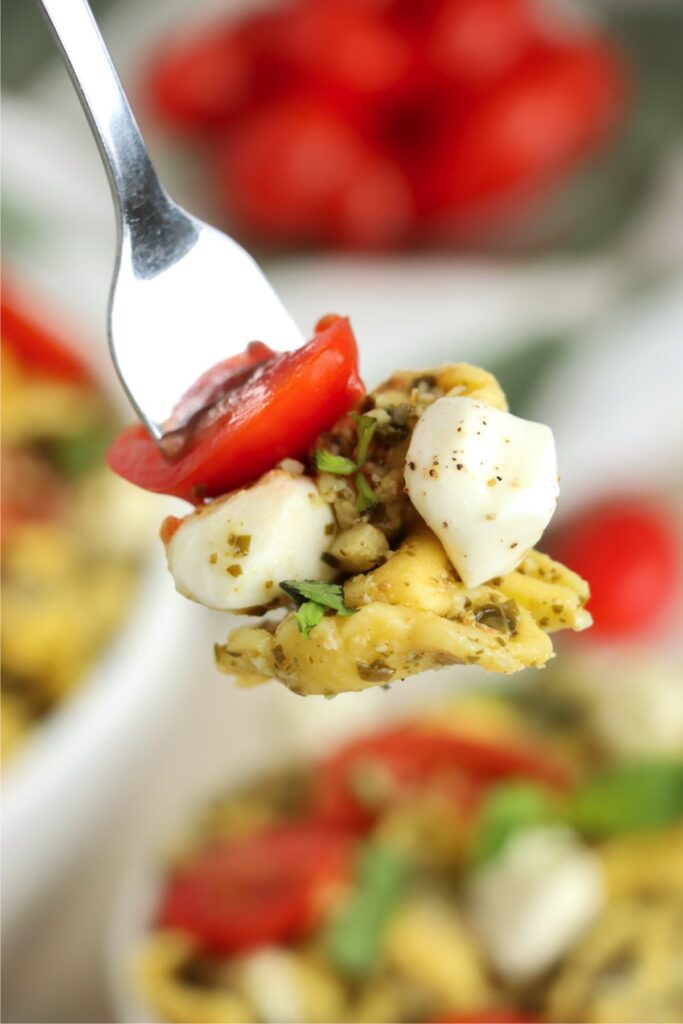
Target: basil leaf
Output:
[(353, 940), (508, 809), (329, 595), (328, 462), (366, 426), (308, 616), (366, 496), (634, 797)]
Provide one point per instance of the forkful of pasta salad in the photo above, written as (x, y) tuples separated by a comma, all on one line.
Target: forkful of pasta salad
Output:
[(395, 536), (374, 534)]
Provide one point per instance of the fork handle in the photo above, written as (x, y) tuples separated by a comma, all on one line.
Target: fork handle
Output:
[(148, 220)]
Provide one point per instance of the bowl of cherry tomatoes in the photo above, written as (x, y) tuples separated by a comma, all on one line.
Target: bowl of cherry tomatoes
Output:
[(357, 124)]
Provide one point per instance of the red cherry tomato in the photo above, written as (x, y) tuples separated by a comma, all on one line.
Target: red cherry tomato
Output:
[(473, 42), (225, 376), (198, 83), (525, 131), (276, 412), (37, 348), (282, 170), (629, 552), (268, 888), (346, 48), (375, 208), (410, 757)]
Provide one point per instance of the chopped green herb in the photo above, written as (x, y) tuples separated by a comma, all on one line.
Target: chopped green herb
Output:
[(330, 595), (635, 797), (354, 938), (315, 593), (328, 462), (366, 496), (508, 809), (309, 615), (366, 428)]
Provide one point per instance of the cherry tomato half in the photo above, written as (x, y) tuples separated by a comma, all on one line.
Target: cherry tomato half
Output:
[(275, 413), (627, 549), (411, 758), (267, 888)]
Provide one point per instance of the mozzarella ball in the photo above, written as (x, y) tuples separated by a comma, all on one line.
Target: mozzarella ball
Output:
[(533, 901), (232, 553), (484, 481)]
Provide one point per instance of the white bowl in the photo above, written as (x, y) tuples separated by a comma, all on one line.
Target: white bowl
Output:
[(60, 788)]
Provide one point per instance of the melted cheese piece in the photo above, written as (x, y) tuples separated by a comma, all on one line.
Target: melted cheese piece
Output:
[(231, 554), (484, 481)]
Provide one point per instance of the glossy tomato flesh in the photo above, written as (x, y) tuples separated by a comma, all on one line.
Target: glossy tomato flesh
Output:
[(412, 758), (263, 889), (276, 413)]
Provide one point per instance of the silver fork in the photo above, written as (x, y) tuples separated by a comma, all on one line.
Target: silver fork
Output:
[(184, 296)]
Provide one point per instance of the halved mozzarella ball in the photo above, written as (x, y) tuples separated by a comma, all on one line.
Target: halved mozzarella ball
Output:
[(232, 553), (534, 900), (484, 481)]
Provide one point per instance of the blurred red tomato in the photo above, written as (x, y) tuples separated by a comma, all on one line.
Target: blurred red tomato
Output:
[(37, 348), (407, 759), (473, 42), (346, 47), (283, 169), (375, 208), (378, 122), (297, 173), (199, 83), (533, 124), (628, 551), (263, 889)]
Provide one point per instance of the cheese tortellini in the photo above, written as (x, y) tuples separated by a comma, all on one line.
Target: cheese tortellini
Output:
[(406, 607)]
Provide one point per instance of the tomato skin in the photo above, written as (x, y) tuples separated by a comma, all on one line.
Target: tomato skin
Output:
[(414, 757), (376, 208), (277, 413), (267, 888), (198, 84), (474, 42), (346, 50), (217, 381), (37, 348), (526, 130), (375, 123), (628, 551), (283, 168)]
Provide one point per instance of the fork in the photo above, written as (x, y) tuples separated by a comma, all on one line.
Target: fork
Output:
[(184, 296)]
